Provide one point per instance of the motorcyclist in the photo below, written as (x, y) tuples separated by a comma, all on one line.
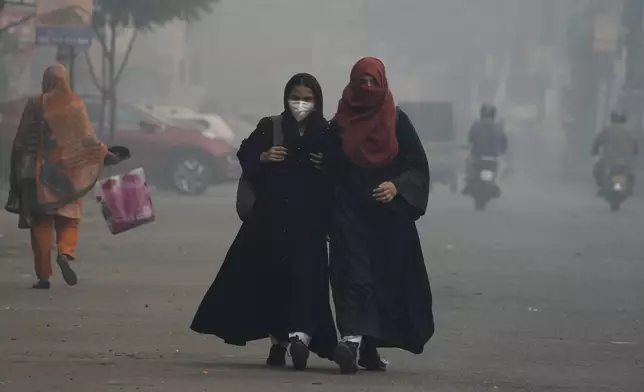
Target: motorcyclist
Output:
[(487, 138), (618, 145)]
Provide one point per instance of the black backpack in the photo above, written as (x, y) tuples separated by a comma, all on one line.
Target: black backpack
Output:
[(245, 192)]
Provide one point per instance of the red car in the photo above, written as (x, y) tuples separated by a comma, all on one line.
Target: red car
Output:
[(183, 156)]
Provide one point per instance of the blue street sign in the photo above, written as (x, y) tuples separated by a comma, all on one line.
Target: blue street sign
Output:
[(72, 36), (64, 22)]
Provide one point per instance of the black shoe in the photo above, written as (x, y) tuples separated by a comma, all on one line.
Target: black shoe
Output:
[(371, 360), (68, 273), (41, 285), (299, 353), (346, 356), (277, 356), (497, 191)]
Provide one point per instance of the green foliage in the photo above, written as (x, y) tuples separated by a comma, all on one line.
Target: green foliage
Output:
[(145, 14)]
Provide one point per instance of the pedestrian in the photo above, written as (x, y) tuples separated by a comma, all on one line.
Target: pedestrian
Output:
[(274, 280), (380, 285), (56, 159)]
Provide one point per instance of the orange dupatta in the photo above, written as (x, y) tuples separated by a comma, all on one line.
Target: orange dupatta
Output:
[(70, 156)]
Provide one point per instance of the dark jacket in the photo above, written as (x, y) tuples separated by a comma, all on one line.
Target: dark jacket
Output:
[(618, 145), (487, 138)]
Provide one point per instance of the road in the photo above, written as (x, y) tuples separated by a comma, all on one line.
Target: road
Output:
[(542, 292)]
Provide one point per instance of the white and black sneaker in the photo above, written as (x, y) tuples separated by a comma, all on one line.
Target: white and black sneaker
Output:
[(346, 356), (371, 360), (277, 356), (299, 353)]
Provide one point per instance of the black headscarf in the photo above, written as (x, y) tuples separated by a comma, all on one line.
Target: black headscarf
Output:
[(306, 80)]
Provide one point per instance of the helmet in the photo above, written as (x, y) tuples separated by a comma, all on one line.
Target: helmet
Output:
[(617, 117), (488, 111)]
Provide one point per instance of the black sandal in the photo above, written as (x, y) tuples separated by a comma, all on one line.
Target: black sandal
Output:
[(41, 285), (69, 275)]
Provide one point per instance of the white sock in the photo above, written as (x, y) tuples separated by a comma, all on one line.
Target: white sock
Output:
[(275, 342), (352, 339), (306, 339)]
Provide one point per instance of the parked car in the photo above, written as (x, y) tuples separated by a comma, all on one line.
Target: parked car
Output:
[(186, 159), (208, 122), (188, 117), (242, 129), (169, 111)]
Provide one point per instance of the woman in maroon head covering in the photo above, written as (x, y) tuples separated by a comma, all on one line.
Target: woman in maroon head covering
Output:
[(381, 187)]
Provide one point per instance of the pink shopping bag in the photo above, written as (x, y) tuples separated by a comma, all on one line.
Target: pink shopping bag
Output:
[(125, 201)]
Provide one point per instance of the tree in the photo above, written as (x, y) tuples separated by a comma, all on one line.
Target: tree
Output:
[(109, 16)]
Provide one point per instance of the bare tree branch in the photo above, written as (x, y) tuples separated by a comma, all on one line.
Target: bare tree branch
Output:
[(126, 58), (101, 38), (92, 72)]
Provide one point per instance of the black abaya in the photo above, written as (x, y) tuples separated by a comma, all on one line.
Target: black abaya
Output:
[(274, 279), (380, 284)]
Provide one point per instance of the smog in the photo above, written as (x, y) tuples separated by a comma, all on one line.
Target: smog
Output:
[(533, 250)]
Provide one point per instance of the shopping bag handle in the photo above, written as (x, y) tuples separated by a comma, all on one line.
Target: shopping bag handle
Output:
[(121, 152)]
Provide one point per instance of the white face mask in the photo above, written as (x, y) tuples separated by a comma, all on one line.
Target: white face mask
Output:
[(301, 109)]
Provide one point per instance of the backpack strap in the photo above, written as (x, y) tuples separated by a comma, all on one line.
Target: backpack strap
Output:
[(278, 135)]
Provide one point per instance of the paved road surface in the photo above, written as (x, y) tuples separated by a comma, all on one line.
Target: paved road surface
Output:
[(543, 292)]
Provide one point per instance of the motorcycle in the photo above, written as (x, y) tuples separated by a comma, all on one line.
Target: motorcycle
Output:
[(482, 186), (616, 186)]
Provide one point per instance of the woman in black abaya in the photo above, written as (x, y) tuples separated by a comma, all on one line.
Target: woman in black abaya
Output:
[(274, 280), (380, 285)]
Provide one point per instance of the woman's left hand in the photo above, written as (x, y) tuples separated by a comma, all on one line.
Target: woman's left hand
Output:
[(385, 192)]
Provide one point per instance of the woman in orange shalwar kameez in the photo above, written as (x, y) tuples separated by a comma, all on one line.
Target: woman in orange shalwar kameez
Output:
[(55, 161)]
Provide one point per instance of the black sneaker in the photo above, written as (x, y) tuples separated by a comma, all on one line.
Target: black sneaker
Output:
[(371, 360), (346, 356), (466, 190), (277, 356), (41, 285), (299, 353), (69, 275)]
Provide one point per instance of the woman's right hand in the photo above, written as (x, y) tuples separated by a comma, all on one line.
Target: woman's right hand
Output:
[(111, 159), (274, 154), (116, 155)]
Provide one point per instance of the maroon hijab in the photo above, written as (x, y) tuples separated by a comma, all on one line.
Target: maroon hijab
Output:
[(367, 117)]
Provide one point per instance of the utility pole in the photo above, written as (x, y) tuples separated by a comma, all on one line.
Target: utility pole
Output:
[(633, 23), (66, 55), (593, 49)]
